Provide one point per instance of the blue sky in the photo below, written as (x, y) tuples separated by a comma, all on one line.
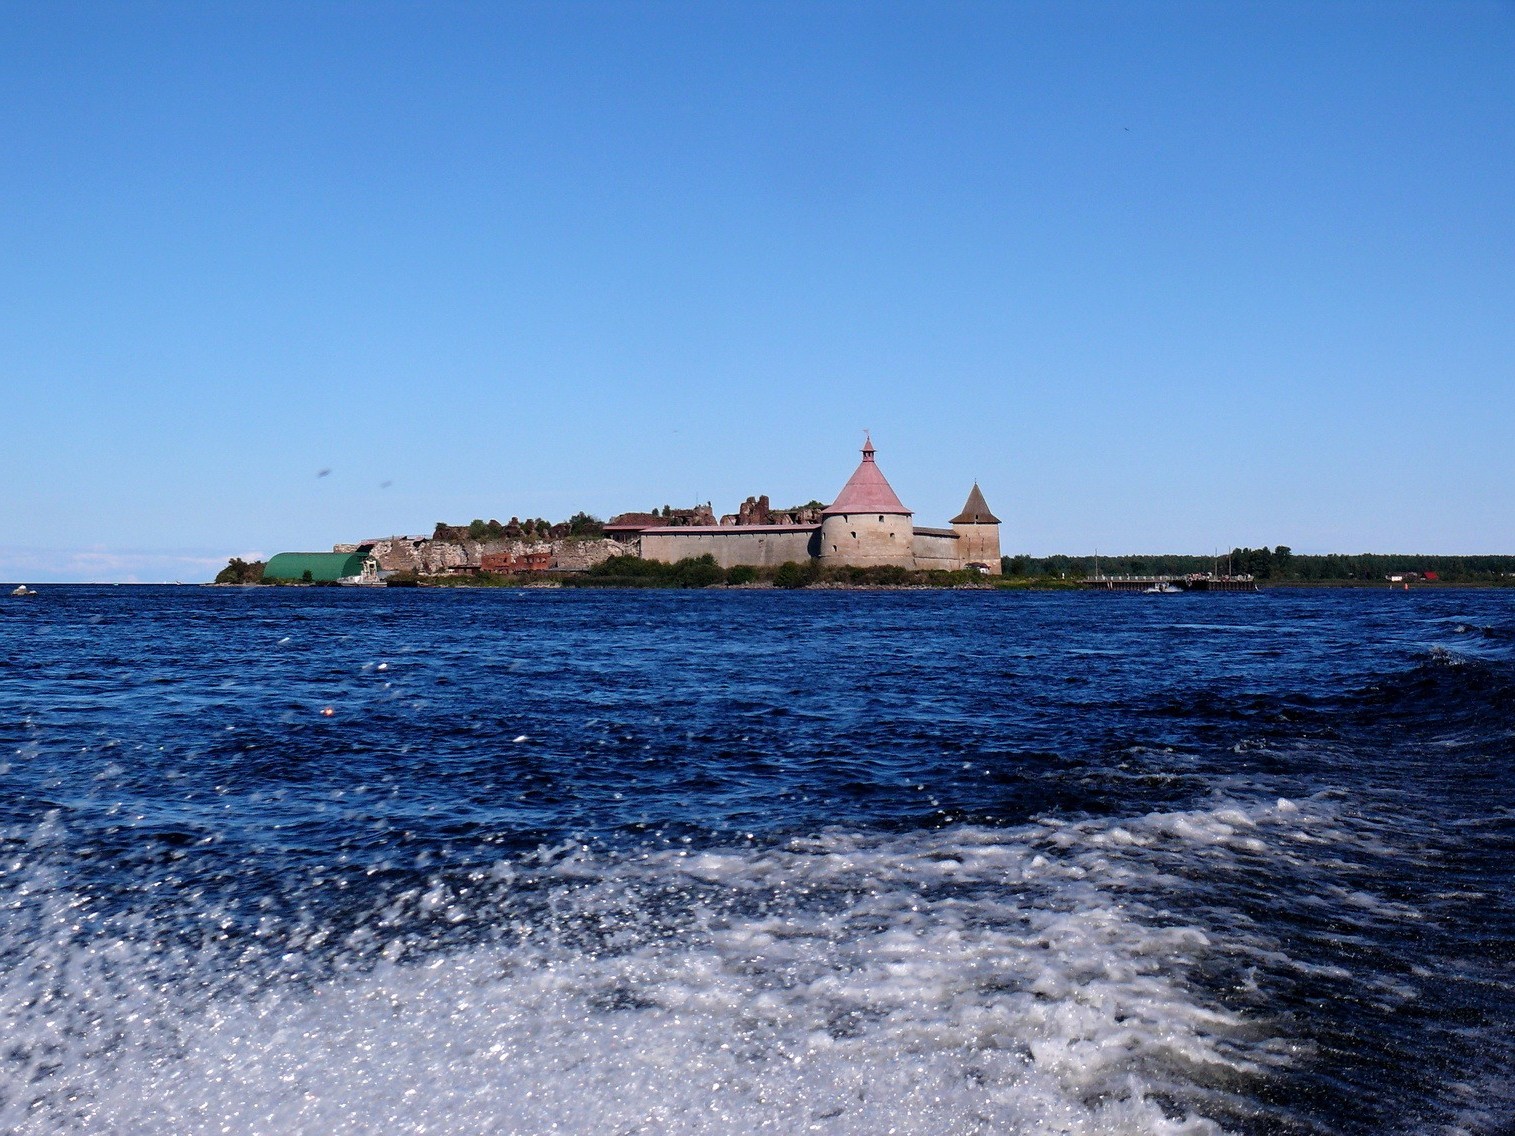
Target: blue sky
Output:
[(1162, 277)]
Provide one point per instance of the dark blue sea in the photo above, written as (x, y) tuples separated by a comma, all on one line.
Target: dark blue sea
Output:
[(541, 861)]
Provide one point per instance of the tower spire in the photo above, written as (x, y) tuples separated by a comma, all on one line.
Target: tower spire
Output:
[(975, 510), (866, 490)]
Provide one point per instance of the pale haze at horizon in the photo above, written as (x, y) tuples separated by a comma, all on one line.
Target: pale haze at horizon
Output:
[(1161, 277)]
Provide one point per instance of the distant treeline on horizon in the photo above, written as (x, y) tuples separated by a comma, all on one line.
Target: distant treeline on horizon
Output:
[(1278, 564)]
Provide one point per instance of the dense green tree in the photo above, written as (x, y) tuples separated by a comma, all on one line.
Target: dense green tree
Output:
[(239, 571), (1279, 564), (698, 572)]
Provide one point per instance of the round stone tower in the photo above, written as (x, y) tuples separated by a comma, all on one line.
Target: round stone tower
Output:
[(866, 526), (978, 533)]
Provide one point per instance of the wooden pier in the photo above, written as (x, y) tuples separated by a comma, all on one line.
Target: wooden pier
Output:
[(1219, 584), (1155, 584)]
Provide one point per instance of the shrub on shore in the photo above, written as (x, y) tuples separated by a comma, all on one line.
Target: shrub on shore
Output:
[(634, 572), (792, 575), (239, 571), (704, 572)]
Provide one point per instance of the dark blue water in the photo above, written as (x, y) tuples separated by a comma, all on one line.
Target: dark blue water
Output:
[(330, 860)]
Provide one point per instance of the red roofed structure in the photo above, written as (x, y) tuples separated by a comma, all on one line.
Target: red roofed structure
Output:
[(867, 526), (867, 490)]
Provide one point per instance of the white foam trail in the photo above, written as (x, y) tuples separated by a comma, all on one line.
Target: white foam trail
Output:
[(968, 980)]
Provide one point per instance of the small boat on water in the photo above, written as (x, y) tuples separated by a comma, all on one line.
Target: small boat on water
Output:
[(23, 590), (1163, 589)]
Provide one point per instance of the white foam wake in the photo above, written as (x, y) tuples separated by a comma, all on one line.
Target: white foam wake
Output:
[(967, 980)]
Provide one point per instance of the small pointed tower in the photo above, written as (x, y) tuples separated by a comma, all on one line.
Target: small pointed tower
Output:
[(866, 525), (978, 533)]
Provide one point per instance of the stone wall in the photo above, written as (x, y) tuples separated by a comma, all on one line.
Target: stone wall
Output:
[(980, 545), (731, 545), (867, 540), (423, 555), (428, 557), (700, 515), (581, 555), (759, 511), (936, 550)]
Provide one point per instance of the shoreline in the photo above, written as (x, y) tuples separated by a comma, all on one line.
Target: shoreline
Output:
[(444, 584), (1003, 584)]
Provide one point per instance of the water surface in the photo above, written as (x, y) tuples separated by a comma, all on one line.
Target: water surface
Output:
[(347, 861)]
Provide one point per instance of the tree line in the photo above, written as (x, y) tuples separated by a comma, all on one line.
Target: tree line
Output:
[(1278, 564)]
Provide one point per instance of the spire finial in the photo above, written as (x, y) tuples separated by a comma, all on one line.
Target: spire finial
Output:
[(867, 445)]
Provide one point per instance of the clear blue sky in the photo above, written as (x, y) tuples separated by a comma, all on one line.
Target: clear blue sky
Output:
[(1162, 277)]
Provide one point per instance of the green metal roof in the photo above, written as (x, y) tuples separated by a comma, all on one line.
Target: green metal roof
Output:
[(320, 565)]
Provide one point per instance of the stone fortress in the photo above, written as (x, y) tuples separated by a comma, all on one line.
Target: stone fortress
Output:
[(866, 526)]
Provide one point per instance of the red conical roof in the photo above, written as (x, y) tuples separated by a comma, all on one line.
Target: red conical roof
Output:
[(866, 490)]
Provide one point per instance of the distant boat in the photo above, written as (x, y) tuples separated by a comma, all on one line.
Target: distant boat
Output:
[(23, 590), (1163, 589)]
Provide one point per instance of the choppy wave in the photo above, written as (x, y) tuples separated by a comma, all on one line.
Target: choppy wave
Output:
[(964, 980), (833, 865)]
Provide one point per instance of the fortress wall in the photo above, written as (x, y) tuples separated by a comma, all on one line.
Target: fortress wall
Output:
[(431, 557), (760, 547), (936, 551), (423, 555), (578, 555), (866, 540), (980, 545)]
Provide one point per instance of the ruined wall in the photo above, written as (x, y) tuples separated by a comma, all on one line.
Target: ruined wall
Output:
[(730, 545), (980, 545), (867, 540), (759, 511), (936, 550), (699, 516), (579, 555), (429, 557), (422, 554)]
